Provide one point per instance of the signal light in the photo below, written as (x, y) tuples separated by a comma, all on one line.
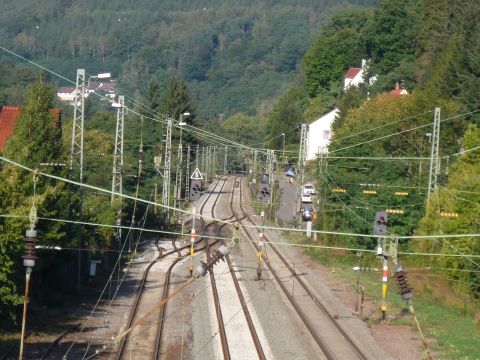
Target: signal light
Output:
[(370, 192), (380, 224), (264, 194), (395, 211), (449, 214), (401, 193)]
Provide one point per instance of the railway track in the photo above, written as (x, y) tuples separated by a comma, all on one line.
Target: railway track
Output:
[(352, 350), (12, 352), (218, 310), (246, 312), (166, 287), (245, 337), (134, 313)]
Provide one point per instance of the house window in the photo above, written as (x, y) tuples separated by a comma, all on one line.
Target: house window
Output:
[(327, 134)]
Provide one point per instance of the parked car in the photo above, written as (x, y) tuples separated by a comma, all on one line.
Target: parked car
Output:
[(307, 213), (306, 198), (308, 189), (291, 172)]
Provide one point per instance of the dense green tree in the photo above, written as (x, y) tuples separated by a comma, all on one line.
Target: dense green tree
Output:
[(37, 135), (460, 196), (221, 48), (178, 99), (244, 129), (286, 117), (389, 35), (338, 48), (35, 139), (387, 115)]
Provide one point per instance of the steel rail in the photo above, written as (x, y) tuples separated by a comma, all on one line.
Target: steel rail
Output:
[(246, 312), (133, 312), (303, 316), (52, 345), (315, 298), (218, 310), (166, 289)]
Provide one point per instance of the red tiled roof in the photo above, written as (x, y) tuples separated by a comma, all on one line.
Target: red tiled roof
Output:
[(65, 90), (352, 72), (8, 118), (398, 92)]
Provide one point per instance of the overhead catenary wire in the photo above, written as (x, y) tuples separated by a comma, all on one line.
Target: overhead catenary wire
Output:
[(403, 131), (367, 203), (382, 126), (200, 130), (91, 187), (157, 117)]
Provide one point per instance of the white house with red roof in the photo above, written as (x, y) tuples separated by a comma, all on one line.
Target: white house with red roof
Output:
[(109, 89), (66, 93), (320, 130), (355, 76)]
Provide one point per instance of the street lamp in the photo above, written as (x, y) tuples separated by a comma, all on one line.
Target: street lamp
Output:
[(29, 262), (283, 148), (178, 179), (181, 123), (99, 76)]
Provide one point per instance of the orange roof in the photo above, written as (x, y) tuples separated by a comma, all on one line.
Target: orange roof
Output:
[(398, 91), (9, 116), (352, 72)]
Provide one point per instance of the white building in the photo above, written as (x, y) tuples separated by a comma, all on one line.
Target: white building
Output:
[(66, 93), (354, 76), (319, 134), (107, 89)]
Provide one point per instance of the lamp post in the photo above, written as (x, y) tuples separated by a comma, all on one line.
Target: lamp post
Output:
[(283, 148), (29, 262), (178, 179), (98, 76)]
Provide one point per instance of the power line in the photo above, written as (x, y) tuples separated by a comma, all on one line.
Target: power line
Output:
[(158, 117), (395, 158), (402, 132), (382, 126)]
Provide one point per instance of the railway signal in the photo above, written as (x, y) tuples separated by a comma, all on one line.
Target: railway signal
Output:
[(380, 224), (260, 256), (264, 194), (195, 189), (196, 185)]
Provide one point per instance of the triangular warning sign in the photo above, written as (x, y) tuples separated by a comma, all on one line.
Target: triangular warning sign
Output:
[(197, 175)]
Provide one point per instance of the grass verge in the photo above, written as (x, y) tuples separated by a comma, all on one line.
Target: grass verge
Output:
[(441, 310)]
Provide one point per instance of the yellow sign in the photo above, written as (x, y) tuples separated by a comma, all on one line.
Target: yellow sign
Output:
[(395, 211), (449, 214)]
